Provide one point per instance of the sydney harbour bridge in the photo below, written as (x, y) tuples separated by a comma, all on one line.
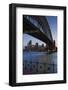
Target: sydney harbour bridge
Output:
[(38, 27)]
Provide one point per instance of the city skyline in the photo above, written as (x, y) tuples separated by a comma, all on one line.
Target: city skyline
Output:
[(52, 21)]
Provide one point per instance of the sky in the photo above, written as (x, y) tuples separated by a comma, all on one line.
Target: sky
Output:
[(52, 21)]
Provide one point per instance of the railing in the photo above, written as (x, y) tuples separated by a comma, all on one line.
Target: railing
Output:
[(30, 67)]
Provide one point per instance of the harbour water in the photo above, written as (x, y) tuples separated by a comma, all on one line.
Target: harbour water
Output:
[(39, 62)]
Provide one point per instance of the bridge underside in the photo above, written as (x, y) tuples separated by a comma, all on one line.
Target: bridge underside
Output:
[(32, 30)]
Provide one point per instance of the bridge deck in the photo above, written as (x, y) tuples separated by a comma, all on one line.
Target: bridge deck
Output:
[(34, 29)]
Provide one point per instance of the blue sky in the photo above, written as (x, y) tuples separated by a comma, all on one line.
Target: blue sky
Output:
[(52, 20)]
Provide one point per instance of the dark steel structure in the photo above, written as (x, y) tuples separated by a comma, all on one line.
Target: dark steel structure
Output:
[(38, 27)]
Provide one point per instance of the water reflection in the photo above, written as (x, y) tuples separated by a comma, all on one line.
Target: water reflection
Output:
[(39, 63)]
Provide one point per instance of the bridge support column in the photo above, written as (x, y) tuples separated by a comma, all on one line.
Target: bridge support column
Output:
[(51, 48)]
